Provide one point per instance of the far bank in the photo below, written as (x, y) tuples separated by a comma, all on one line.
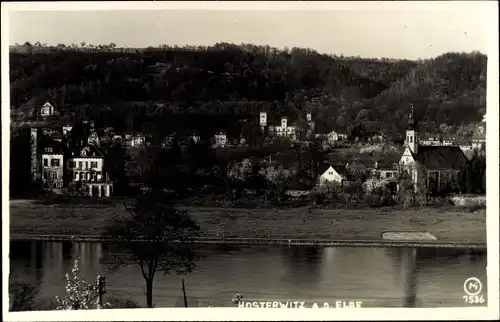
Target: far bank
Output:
[(449, 226)]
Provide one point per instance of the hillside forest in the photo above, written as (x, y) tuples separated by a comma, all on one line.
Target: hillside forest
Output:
[(164, 90), (216, 88)]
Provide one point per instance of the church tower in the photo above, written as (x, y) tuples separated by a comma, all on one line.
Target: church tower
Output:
[(412, 133)]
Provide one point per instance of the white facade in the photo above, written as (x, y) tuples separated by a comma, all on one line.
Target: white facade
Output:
[(263, 119), (283, 130), (52, 169), (330, 176), (93, 138), (67, 129), (86, 169), (47, 109), (220, 140), (412, 140), (137, 140)]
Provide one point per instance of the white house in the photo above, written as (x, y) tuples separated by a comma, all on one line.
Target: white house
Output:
[(283, 129), (220, 140), (137, 139), (329, 175), (93, 138), (47, 109), (52, 166), (87, 168)]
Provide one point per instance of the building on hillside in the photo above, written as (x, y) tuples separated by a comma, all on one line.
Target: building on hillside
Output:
[(385, 170), (39, 138), (330, 174), (478, 142), (86, 170), (220, 140), (284, 128), (66, 129), (441, 169), (47, 109), (134, 139), (52, 165), (93, 138)]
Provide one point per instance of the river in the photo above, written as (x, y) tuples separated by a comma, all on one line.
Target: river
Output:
[(377, 277)]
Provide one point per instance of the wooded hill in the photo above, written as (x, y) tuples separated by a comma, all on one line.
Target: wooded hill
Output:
[(227, 83)]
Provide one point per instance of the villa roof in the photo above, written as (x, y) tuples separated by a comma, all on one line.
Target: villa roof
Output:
[(49, 143), (91, 151)]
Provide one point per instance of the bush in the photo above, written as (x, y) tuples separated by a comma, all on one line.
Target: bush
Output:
[(22, 296), (118, 302), (80, 295)]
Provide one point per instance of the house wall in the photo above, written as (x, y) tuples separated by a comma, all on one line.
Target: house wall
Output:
[(80, 168), (329, 176), (52, 174), (388, 174), (407, 158), (47, 110), (220, 140)]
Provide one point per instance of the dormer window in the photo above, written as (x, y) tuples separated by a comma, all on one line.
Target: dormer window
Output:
[(49, 150)]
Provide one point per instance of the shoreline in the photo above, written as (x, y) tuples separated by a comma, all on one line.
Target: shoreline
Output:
[(273, 241)]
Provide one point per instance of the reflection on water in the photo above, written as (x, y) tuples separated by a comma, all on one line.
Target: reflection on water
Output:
[(377, 276)]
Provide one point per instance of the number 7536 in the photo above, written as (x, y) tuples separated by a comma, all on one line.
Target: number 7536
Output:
[(473, 299)]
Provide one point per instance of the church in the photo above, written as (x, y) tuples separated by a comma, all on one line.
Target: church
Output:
[(440, 169)]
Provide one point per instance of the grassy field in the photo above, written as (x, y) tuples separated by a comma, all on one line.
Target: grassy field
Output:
[(339, 224)]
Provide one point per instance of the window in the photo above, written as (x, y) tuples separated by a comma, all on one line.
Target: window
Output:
[(388, 175), (93, 164), (86, 165), (49, 150), (80, 164), (411, 139), (54, 163), (54, 175), (330, 173), (45, 162)]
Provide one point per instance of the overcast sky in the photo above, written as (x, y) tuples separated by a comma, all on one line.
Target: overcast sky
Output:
[(396, 31)]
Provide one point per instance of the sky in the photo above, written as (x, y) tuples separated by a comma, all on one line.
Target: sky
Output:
[(395, 31)]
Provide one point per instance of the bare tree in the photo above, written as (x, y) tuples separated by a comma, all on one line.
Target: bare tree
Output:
[(152, 238)]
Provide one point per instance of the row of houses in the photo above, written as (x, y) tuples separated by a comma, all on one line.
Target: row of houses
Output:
[(445, 167), (61, 166)]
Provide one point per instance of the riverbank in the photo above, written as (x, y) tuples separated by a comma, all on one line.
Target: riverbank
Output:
[(218, 224)]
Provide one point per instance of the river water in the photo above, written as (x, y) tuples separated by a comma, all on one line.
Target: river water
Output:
[(374, 276)]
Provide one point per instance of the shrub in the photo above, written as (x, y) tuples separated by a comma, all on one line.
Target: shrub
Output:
[(22, 296), (119, 302), (80, 295)]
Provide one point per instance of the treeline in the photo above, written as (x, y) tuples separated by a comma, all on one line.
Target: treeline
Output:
[(234, 82)]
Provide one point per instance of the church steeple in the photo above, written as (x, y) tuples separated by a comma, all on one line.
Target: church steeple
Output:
[(412, 133)]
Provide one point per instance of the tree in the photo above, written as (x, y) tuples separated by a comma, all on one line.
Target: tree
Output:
[(239, 172), (152, 239), (277, 177)]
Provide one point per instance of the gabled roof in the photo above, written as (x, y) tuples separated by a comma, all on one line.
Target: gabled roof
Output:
[(441, 157), (91, 152), (323, 167), (56, 146)]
